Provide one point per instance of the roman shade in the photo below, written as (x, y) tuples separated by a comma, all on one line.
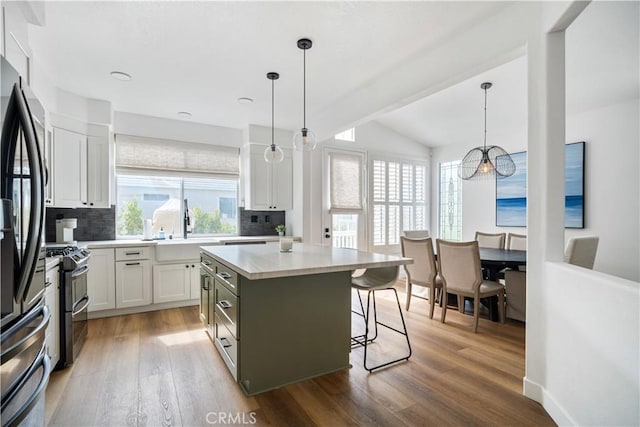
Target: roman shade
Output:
[(345, 183), (135, 153)]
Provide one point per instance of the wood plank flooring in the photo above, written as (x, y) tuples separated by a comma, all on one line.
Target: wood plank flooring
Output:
[(161, 369)]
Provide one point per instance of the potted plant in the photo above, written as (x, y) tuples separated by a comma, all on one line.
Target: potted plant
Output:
[(281, 229)]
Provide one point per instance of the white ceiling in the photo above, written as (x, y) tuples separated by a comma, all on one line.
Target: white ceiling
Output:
[(201, 56)]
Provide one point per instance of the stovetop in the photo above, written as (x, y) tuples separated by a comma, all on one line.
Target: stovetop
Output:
[(73, 257), (61, 250)]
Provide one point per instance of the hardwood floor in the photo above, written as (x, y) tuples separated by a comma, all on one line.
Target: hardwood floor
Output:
[(161, 369)]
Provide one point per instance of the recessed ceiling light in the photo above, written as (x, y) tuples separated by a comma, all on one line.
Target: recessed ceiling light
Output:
[(119, 75), (244, 100), (184, 114)]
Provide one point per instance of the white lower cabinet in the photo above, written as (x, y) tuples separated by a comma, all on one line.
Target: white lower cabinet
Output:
[(52, 299), (176, 282), (101, 281), (133, 283)]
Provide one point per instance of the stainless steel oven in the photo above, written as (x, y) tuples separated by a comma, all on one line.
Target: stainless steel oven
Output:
[(74, 301)]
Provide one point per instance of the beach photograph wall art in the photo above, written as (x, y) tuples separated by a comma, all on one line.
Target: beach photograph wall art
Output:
[(511, 192)]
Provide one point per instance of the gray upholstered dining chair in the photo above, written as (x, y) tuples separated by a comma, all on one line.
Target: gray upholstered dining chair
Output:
[(517, 242), (416, 234), (375, 280), (515, 285), (423, 271), (515, 281), (581, 251), (490, 240), (459, 266)]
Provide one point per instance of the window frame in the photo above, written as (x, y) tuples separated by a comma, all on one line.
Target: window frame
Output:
[(401, 203), (182, 178), (453, 169)]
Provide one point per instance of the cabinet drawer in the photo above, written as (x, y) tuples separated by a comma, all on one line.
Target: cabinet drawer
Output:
[(226, 307), (140, 252), (227, 277), (227, 346)]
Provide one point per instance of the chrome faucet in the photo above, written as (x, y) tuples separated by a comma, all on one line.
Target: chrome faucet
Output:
[(186, 223)]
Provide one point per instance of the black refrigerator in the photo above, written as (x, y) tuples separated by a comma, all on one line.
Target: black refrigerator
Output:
[(25, 366)]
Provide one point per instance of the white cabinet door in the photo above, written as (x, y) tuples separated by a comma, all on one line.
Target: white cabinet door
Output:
[(282, 183), (260, 183), (195, 280), (171, 282), (70, 169), (270, 186), (98, 171), (133, 283), (101, 282), (52, 299)]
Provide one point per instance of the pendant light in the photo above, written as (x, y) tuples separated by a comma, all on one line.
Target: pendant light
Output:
[(273, 153), (486, 162), (304, 139)]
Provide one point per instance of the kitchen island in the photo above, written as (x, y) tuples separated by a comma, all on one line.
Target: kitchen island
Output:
[(278, 318)]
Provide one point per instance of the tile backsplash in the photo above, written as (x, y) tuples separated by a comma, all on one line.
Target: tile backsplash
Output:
[(93, 223), (259, 223), (100, 224)]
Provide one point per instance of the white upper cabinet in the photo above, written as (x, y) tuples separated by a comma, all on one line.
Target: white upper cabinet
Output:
[(70, 169), (80, 170), (98, 171), (267, 186)]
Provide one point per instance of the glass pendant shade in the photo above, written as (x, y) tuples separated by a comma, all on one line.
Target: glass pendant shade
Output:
[(273, 154), (488, 161), (304, 140)]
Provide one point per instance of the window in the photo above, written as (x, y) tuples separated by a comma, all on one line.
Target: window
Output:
[(343, 192), (345, 182), (345, 231), (154, 177), (450, 220), (347, 135), (399, 199), (212, 205)]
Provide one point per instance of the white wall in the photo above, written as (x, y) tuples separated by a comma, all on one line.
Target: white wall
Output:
[(178, 130), (591, 329), (612, 207)]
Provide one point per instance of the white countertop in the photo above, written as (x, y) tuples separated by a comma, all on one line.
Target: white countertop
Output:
[(266, 261), (124, 243)]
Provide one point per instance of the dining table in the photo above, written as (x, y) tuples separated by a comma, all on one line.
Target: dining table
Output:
[(494, 260)]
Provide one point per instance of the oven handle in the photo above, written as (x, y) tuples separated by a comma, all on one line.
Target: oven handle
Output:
[(79, 272), (75, 312)]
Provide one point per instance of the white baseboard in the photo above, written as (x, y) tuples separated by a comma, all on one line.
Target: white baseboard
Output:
[(141, 309), (535, 391)]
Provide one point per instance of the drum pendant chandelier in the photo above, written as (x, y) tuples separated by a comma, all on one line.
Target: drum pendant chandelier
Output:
[(273, 153), (304, 139), (486, 162)]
